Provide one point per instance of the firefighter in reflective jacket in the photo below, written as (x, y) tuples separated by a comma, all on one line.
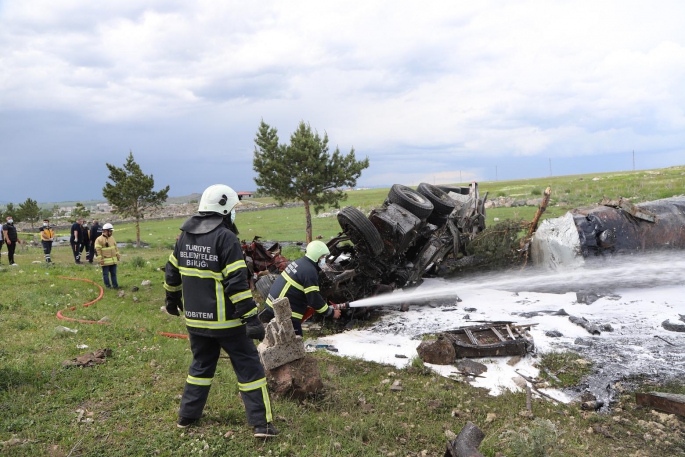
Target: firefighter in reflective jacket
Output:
[(206, 279), (299, 282)]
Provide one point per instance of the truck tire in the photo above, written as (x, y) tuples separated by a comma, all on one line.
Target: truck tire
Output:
[(360, 230), (410, 200), (442, 203)]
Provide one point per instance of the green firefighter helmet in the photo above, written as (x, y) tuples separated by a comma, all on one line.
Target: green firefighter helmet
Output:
[(315, 250)]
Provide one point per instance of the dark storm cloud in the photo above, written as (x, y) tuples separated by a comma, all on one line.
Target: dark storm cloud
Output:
[(490, 90)]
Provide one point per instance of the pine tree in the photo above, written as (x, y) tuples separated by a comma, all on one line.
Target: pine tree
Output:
[(29, 211), (79, 212), (304, 170), (131, 195)]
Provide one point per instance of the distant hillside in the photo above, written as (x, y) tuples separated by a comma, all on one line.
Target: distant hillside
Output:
[(90, 203), (184, 199)]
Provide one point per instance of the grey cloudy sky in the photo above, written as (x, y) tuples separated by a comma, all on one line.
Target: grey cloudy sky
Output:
[(437, 91)]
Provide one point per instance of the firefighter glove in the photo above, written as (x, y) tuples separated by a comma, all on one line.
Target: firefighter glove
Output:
[(254, 328), (174, 304)]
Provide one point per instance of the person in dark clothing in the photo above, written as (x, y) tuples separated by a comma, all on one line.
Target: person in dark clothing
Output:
[(47, 236), (75, 237), (9, 233), (206, 279), (2, 241), (95, 232), (299, 283), (85, 241)]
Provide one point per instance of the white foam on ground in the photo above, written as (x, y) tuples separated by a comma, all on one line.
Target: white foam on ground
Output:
[(636, 318)]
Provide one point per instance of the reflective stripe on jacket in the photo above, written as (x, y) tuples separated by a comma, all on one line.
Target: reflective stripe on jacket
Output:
[(299, 282), (209, 270), (106, 249)]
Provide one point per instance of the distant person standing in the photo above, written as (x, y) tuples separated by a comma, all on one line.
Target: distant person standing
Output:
[(9, 233), (108, 255), (2, 241), (75, 239), (95, 232), (85, 240), (47, 236)]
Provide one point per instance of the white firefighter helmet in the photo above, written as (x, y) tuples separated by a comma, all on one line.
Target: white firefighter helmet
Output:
[(218, 198), (107, 226), (315, 250)]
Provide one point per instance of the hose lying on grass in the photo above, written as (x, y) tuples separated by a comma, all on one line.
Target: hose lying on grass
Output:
[(85, 305)]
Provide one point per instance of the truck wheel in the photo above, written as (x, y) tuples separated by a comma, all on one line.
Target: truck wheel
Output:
[(360, 230), (410, 200), (442, 203)]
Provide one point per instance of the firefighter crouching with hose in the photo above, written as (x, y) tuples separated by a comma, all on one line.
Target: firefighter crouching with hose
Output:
[(299, 282), (206, 279)]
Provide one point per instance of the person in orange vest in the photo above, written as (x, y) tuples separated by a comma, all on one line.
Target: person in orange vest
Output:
[(108, 255), (47, 236)]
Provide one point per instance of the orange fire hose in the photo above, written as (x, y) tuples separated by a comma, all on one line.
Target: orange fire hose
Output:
[(85, 305)]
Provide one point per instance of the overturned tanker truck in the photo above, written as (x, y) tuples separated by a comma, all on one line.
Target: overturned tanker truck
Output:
[(401, 242), (612, 227), (396, 245)]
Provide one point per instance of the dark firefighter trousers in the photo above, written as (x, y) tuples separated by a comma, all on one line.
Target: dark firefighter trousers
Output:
[(76, 249), (248, 369)]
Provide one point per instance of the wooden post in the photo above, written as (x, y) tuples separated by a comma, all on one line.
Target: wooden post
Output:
[(541, 209)]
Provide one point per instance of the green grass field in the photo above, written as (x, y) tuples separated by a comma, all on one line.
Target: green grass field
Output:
[(128, 405)]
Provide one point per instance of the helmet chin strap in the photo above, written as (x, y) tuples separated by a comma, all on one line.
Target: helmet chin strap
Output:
[(229, 224)]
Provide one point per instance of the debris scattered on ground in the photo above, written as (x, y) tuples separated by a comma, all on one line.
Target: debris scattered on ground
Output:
[(593, 405), (466, 443), (600, 430), (587, 325), (82, 412), (471, 367), (63, 329), (88, 360), (673, 326), (396, 386), (670, 403), (491, 339), (146, 282)]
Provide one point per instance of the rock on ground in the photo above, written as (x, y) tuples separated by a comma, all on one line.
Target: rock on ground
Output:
[(439, 352), (299, 379)]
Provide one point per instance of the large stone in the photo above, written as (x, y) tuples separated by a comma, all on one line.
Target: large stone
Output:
[(281, 345), (298, 379), (439, 352)]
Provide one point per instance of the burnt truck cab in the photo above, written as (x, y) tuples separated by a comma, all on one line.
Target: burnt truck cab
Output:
[(401, 242)]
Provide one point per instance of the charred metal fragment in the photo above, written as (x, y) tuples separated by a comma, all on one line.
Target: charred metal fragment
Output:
[(489, 340), (586, 324), (466, 443), (670, 403), (673, 326)]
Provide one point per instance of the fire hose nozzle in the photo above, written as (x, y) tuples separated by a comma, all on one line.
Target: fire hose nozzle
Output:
[(341, 306)]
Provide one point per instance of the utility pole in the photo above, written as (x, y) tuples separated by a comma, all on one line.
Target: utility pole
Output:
[(550, 166)]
